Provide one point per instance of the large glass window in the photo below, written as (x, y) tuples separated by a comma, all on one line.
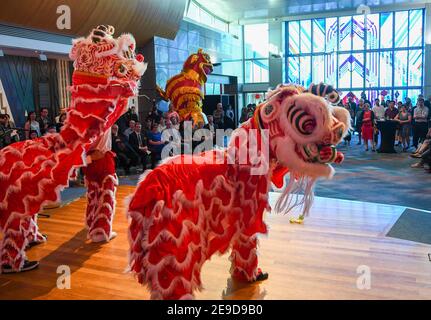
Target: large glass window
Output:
[(379, 54), (256, 49)]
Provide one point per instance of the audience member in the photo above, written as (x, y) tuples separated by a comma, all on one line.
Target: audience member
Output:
[(44, 121), (229, 113), (32, 125), (130, 129), (138, 141), (132, 114), (218, 115), (420, 126), (155, 144), (367, 121), (404, 118), (60, 122), (391, 112)]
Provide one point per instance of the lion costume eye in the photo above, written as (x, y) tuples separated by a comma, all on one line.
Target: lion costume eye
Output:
[(303, 122), (121, 70)]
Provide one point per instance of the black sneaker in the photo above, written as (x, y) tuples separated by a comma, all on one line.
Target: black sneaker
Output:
[(28, 265)]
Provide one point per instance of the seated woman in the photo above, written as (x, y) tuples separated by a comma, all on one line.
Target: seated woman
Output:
[(155, 144)]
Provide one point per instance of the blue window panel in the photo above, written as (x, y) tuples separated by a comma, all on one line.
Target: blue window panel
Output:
[(416, 28), (293, 70), (294, 37), (400, 68), (386, 68), (373, 31), (344, 71), (401, 29), (400, 95), (319, 30), (331, 69), (305, 71), (372, 70), (305, 27), (358, 32), (331, 34), (318, 66), (345, 34), (415, 68), (413, 95), (357, 70), (386, 30)]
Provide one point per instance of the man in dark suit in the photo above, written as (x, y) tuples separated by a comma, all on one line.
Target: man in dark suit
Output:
[(138, 141), (44, 121)]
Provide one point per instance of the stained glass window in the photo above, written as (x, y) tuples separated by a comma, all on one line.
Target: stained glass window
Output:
[(331, 69), (358, 33), (294, 37), (386, 69), (319, 35), (413, 95), (372, 69), (293, 70), (386, 30), (345, 37), (401, 28), (416, 22), (318, 65), (305, 71), (400, 68), (373, 30), (415, 68), (357, 70), (379, 54), (344, 71), (305, 27), (331, 34)]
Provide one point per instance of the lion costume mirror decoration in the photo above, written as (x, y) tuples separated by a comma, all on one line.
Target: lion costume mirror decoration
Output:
[(208, 207), (33, 172)]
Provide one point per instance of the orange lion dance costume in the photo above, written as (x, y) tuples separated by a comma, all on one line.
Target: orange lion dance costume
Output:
[(215, 202), (34, 172), (185, 90)]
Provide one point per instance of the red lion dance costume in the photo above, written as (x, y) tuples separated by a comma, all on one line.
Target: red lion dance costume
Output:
[(185, 90), (206, 204), (34, 172)]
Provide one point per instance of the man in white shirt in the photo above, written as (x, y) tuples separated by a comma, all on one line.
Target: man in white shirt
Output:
[(378, 110), (420, 127)]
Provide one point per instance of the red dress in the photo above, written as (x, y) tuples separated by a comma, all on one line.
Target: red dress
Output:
[(367, 126)]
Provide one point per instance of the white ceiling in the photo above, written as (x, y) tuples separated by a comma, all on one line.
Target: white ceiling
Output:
[(244, 11)]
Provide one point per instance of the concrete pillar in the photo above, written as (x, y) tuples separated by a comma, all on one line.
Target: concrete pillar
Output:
[(275, 53)]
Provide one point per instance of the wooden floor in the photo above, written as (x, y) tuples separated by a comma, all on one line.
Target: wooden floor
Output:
[(317, 260)]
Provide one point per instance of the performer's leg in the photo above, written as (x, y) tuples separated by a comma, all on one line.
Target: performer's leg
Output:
[(244, 260), (101, 182), (15, 240), (34, 237)]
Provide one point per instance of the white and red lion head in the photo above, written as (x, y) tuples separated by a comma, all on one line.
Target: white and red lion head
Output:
[(304, 128), (102, 54)]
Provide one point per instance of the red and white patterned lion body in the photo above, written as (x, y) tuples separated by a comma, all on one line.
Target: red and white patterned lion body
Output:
[(192, 207), (33, 172)]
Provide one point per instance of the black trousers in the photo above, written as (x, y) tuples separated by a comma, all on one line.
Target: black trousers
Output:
[(420, 130)]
